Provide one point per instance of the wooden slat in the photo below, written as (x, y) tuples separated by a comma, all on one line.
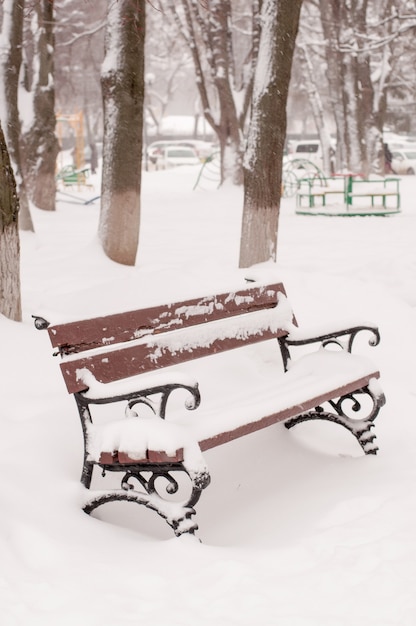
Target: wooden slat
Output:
[(152, 456), (229, 435), (132, 360), (83, 335), (274, 418)]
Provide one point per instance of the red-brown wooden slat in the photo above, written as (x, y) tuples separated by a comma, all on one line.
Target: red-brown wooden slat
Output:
[(226, 436), (132, 360), (79, 336), (285, 414)]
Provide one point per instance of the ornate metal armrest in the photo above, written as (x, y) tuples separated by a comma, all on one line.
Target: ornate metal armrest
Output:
[(298, 338), (155, 397), (332, 337)]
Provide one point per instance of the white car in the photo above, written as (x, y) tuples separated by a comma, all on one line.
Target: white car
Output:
[(204, 149), (310, 150), (172, 156), (404, 161), (156, 148)]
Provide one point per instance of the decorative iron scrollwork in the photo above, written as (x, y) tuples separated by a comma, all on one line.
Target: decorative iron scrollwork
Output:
[(177, 514), (149, 484), (359, 426)]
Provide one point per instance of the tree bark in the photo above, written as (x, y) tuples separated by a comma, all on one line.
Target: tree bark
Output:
[(11, 60), (267, 131), (10, 299), (122, 83), (41, 144), (229, 131)]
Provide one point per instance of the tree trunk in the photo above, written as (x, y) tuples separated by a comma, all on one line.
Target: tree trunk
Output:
[(10, 299), (314, 97), (330, 16), (122, 83), (267, 131), (358, 94), (41, 144), (229, 132), (374, 91), (11, 60), (351, 88), (207, 30)]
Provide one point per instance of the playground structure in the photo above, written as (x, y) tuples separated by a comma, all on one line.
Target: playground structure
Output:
[(209, 176), (72, 125), (346, 194), (296, 170)]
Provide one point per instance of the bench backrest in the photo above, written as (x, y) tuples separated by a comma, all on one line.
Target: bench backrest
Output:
[(125, 344)]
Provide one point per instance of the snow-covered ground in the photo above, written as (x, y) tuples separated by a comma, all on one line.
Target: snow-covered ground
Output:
[(298, 527)]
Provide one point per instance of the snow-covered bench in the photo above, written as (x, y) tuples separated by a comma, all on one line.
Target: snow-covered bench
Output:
[(137, 359)]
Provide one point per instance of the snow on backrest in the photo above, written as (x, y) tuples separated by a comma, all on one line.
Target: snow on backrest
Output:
[(123, 345)]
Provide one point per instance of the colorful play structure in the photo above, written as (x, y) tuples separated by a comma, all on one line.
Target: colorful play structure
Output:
[(345, 194)]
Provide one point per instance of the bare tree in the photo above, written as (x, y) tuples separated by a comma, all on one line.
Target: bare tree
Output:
[(208, 28), (40, 142), (123, 93), (401, 58), (10, 63), (267, 131), (316, 102), (168, 63), (10, 299), (79, 53), (358, 35)]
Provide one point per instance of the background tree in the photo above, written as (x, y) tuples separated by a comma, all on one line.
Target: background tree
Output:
[(40, 143), (10, 300), (11, 41), (267, 131), (359, 46), (168, 65), (123, 94), (79, 53), (315, 102), (401, 100), (223, 80)]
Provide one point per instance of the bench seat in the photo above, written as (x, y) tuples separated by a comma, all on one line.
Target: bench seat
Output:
[(226, 415), (307, 383)]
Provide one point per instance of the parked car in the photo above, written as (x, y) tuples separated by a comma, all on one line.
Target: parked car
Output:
[(156, 148), (172, 156), (204, 149), (304, 148), (310, 150), (404, 161)]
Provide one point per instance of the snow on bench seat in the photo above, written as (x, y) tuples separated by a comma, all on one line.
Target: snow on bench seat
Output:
[(223, 417)]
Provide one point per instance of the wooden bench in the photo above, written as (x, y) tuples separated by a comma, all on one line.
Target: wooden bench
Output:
[(131, 361)]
